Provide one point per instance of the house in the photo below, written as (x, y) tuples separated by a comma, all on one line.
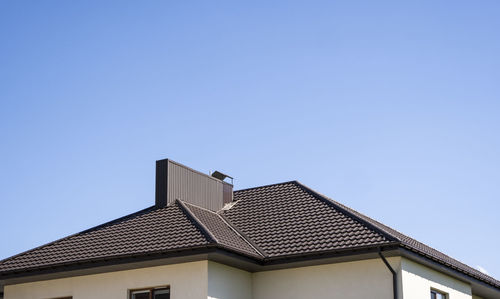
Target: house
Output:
[(202, 240)]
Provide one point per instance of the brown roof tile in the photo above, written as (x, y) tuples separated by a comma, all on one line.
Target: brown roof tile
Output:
[(285, 219), (414, 245), (264, 223), (150, 230), (425, 250), (223, 233)]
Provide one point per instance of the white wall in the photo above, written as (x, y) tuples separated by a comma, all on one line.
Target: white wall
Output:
[(226, 282), (418, 281), (206, 279), (350, 280), (187, 280)]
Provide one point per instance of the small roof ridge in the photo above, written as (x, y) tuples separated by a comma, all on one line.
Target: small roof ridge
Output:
[(349, 212), (405, 241), (197, 222), (226, 221), (243, 236)]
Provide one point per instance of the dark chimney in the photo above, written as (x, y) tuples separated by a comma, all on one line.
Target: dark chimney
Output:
[(161, 183), (176, 181)]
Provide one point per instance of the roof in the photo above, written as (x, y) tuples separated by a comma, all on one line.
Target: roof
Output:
[(147, 231), (279, 221), (220, 231), (292, 218), (285, 219)]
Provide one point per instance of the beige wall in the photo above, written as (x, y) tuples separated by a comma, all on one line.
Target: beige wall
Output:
[(418, 281), (226, 282), (206, 279), (187, 280), (360, 280)]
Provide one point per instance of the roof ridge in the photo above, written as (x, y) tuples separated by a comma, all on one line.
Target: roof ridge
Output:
[(243, 236), (400, 237), (197, 222), (81, 232), (407, 244), (269, 185), (232, 227), (350, 212)]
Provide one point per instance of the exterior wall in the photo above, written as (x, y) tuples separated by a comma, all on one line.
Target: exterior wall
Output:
[(206, 279), (360, 280), (187, 280), (418, 280), (226, 282)]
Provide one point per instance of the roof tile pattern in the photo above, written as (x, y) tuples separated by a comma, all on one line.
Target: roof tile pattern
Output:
[(148, 231), (285, 219), (265, 222), (425, 250), (224, 234), (414, 245)]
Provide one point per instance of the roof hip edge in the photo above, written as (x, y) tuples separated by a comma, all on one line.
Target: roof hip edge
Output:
[(204, 230), (249, 241), (346, 211)]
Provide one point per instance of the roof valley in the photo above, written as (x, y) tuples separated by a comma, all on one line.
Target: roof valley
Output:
[(204, 230), (243, 236)]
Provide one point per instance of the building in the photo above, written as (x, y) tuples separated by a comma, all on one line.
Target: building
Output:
[(202, 240)]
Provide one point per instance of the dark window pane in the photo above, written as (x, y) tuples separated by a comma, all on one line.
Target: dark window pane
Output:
[(161, 294), (433, 295), (140, 295)]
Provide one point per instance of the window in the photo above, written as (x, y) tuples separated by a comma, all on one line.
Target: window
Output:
[(437, 295), (153, 293)]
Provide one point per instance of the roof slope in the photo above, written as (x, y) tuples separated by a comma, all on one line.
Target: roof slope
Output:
[(148, 231), (264, 223), (285, 219), (281, 217), (425, 250), (220, 231)]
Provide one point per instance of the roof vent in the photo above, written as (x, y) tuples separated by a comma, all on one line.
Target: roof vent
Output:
[(222, 176)]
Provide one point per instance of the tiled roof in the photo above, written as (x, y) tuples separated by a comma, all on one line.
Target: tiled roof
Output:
[(148, 231), (285, 219), (412, 244), (264, 223), (221, 231), (427, 251)]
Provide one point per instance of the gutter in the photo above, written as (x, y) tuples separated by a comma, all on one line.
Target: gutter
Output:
[(394, 274)]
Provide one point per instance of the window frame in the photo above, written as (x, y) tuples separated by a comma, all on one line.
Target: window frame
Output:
[(149, 290), (436, 292)]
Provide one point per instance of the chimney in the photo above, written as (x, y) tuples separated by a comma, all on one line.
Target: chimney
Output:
[(177, 181)]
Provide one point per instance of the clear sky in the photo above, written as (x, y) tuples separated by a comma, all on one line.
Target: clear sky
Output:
[(391, 108)]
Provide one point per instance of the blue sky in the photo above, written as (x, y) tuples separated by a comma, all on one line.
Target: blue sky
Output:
[(391, 108)]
